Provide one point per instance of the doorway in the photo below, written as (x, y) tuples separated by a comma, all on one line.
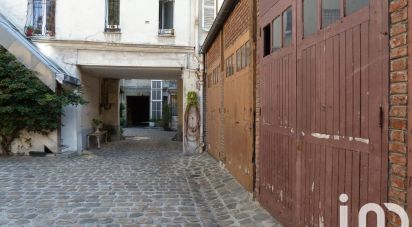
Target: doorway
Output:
[(138, 110)]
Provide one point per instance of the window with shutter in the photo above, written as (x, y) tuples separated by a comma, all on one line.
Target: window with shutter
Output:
[(208, 14)]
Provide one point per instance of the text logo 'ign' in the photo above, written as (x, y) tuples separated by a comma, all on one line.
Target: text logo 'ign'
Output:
[(371, 207)]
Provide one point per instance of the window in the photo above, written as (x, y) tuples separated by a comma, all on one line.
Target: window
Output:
[(310, 17), (354, 5), (208, 14), (157, 100), (239, 59), (277, 34), (287, 27), (166, 17), (242, 56), (229, 66), (41, 17), (266, 40), (113, 16), (330, 12), (281, 35)]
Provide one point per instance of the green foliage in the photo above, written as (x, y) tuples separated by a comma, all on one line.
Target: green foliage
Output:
[(26, 104), (121, 114), (96, 123), (192, 99), (166, 116), (111, 130)]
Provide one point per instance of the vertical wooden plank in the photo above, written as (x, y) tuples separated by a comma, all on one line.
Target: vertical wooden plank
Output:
[(317, 88), (322, 106), (304, 91), (335, 186), (328, 186), (355, 188), (356, 81), (349, 82), (336, 91), (329, 86), (348, 179), (364, 80), (342, 84), (341, 175), (312, 88)]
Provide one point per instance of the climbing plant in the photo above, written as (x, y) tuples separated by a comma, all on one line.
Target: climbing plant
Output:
[(26, 104), (192, 118)]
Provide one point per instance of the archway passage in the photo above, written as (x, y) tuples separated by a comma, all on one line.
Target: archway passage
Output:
[(138, 110)]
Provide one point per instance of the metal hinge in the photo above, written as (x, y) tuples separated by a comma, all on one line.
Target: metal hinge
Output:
[(381, 115)]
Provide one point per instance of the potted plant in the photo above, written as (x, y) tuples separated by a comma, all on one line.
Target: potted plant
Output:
[(29, 31), (167, 115), (111, 130), (97, 124)]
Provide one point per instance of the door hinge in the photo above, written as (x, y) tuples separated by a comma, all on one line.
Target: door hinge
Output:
[(381, 116)]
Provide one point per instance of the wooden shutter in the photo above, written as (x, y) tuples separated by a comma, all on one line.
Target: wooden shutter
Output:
[(208, 14)]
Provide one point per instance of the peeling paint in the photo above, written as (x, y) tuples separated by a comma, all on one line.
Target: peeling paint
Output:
[(292, 130), (350, 138), (321, 221), (313, 186), (281, 195), (362, 140), (303, 134), (321, 136), (336, 137)]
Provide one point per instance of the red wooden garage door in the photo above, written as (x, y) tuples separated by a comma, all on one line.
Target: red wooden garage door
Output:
[(324, 108)]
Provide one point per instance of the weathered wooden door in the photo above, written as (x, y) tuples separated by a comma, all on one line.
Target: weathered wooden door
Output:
[(278, 111), (239, 113), (213, 110), (325, 134)]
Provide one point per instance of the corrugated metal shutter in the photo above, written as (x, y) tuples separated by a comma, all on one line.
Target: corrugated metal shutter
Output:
[(208, 14)]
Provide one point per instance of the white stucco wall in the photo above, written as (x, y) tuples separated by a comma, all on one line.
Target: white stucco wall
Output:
[(80, 40), (85, 20)]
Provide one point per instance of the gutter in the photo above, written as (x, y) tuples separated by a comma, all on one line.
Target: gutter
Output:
[(224, 13)]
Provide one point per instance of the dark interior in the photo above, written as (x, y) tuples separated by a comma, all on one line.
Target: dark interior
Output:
[(138, 110)]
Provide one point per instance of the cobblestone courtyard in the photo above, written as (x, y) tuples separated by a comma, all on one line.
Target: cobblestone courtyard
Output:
[(142, 181)]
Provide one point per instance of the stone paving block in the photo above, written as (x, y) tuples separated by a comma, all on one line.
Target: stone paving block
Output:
[(126, 183)]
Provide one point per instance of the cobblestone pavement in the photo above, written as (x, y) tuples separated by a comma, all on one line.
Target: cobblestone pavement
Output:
[(143, 181)]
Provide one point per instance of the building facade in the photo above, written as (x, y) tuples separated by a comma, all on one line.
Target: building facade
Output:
[(118, 39), (332, 115), (229, 85)]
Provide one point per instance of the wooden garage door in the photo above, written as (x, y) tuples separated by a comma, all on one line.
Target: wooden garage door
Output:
[(324, 108), (213, 110), (239, 112)]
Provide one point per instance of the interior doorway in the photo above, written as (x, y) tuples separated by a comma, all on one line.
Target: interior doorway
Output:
[(138, 110)]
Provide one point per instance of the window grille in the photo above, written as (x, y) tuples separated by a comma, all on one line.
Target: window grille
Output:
[(113, 16), (166, 17)]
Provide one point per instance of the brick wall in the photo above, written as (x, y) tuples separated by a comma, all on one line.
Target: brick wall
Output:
[(237, 23), (398, 105), (257, 104), (213, 53)]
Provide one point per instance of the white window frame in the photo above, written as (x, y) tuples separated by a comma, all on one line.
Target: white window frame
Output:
[(44, 15), (156, 100)]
